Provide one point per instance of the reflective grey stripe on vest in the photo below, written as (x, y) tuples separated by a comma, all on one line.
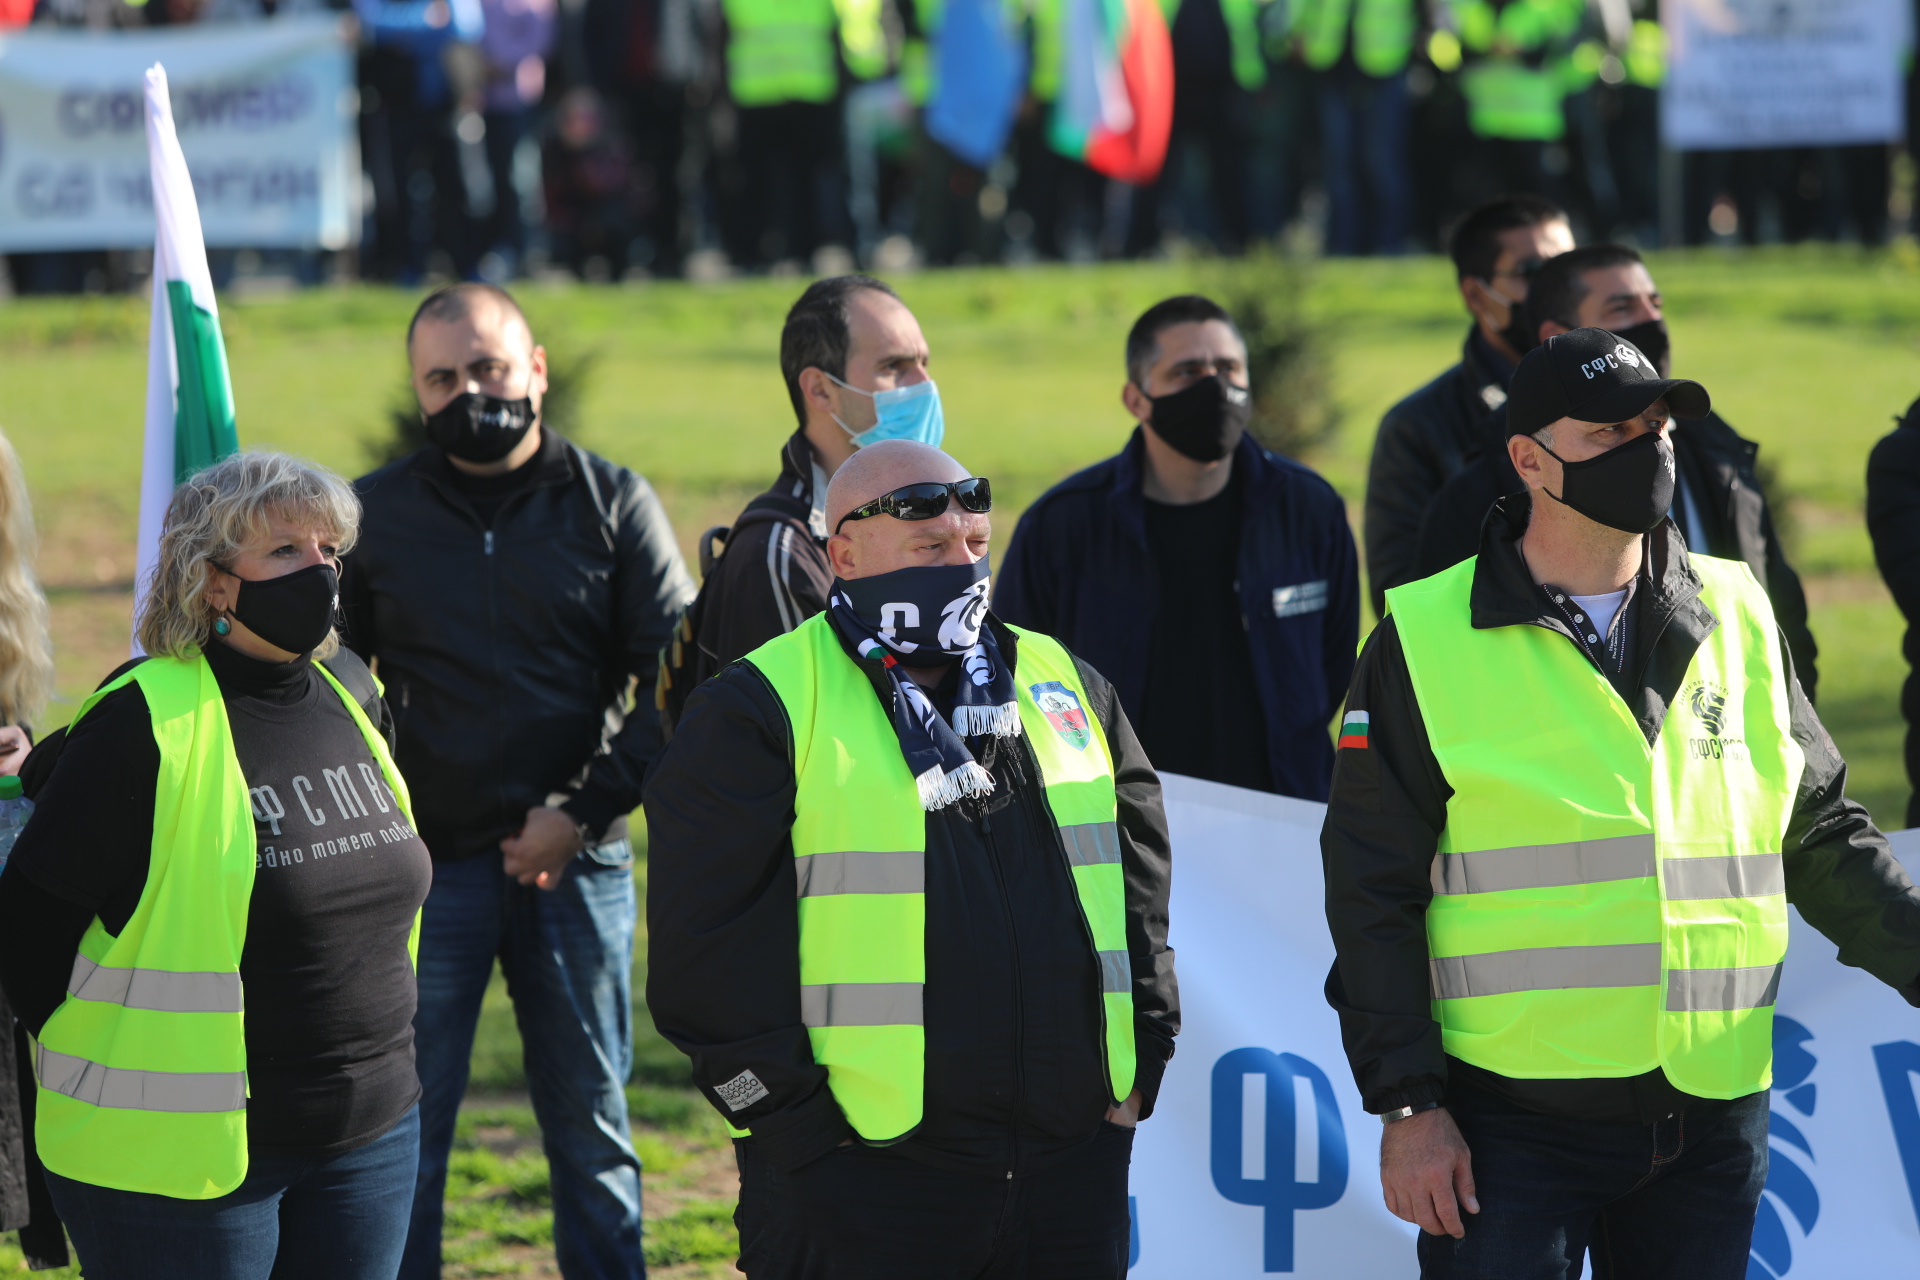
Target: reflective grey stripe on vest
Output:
[(861, 1004), (1753, 875), (161, 990), (1722, 990), (1544, 866), (1495, 973), (1089, 844), (130, 1090), (1116, 973), (822, 874)]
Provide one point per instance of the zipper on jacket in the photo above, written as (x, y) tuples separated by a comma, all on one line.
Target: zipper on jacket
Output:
[(1013, 936)]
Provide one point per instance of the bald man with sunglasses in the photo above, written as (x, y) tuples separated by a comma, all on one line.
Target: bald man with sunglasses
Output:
[(908, 914)]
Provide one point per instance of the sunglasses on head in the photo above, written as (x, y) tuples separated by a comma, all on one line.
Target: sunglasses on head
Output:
[(926, 501)]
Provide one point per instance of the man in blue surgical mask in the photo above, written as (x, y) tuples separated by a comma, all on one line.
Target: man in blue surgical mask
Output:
[(855, 364)]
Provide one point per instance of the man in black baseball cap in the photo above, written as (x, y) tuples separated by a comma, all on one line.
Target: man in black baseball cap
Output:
[(1559, 860), (1602, 401)]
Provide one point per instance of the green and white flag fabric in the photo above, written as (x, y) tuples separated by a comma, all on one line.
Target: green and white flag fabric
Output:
[(189, 395)]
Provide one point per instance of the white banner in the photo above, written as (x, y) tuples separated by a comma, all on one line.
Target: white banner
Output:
[(266, 115), (1783, 73), (1258, 1158)]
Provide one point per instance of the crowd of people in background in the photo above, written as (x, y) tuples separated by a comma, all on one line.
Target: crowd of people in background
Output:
[(655, 138)]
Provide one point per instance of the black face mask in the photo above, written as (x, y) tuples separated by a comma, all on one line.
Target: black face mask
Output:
[(1651, 338), (475, 427), (294, 612), (1629, 487), (1204, 421), (928, 614)]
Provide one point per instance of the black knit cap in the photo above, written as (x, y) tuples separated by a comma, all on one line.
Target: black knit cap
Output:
[(1591, 375)]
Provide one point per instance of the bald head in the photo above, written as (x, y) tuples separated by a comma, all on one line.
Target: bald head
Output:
[(881, 468), (882, 544)]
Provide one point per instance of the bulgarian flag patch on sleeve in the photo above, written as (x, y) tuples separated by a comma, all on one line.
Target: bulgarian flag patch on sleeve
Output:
[(1353, 729)]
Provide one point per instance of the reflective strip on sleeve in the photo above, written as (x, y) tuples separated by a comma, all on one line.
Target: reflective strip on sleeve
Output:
[(128, 1090), (861, 1004), (1722, 990), (1090, 844), (1494, 973), (822, 874), (160, 990), (1116, 972), (1544, 866), (1754, 875)]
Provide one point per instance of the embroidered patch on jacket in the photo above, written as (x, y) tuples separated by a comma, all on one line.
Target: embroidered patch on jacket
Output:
[(1302, 597), (1064, 712), (742, 1091), (1353, 729)]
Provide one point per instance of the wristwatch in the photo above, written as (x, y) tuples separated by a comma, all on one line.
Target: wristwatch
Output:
[(1401, 1113)]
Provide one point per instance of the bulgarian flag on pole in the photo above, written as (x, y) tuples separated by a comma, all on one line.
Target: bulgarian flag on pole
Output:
[(189, 395), (1115, 109)]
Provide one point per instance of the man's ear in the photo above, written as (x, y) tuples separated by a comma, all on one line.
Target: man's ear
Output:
[(816, 390), (840, 554), (537, 379), (1137, 402), (1528, 458)]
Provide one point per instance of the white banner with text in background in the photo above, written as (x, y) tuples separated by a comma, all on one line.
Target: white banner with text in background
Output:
[(267, 116), (1258, 1159), (1784, 73)]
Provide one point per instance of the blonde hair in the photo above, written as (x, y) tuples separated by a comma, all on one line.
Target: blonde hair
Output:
[(26, 646), (212, 518)]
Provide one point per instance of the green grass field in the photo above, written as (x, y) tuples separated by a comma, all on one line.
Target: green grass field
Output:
[(1810, 352)]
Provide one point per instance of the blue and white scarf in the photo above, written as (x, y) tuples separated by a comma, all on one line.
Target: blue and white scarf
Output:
[(928, 617)]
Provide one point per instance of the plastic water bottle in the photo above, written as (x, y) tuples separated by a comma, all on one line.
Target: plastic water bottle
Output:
[(15, 809)]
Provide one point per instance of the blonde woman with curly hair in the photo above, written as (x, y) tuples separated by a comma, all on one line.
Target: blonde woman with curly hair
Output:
[(223, 830), (26, 649)]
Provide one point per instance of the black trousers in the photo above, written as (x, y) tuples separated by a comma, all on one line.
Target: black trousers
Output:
[(867, 1213)]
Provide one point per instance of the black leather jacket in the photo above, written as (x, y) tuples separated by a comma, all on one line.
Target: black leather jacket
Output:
[(1423, 441), (508, 652), (1893, 519)]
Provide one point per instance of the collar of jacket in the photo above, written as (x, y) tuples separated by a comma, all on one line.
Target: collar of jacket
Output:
[(1489, 373), (798, 467), (553, 465), (1129, 476), (1505, 594)]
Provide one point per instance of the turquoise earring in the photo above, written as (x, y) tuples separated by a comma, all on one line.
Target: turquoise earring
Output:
[(221, 627)]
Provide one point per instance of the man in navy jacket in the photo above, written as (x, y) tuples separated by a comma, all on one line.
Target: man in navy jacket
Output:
[(1215, 584)]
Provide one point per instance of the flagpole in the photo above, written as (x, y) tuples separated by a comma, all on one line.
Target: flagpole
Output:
[(189, 411)]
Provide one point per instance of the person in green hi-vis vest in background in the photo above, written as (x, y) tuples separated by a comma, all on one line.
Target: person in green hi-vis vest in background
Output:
[(1578, 786), (784, 61), (907, 910), (1358, 50)]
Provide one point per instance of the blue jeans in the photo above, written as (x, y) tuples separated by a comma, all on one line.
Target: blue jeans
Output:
[(338, 1217), (1363, 143), (1668, 1201), (568, 958)]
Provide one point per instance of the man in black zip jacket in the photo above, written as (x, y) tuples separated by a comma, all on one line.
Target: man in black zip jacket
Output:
[(1216, 584), (512, 588), (1893, 521), (1432, 433), (1019, 1158), (845, 339)]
